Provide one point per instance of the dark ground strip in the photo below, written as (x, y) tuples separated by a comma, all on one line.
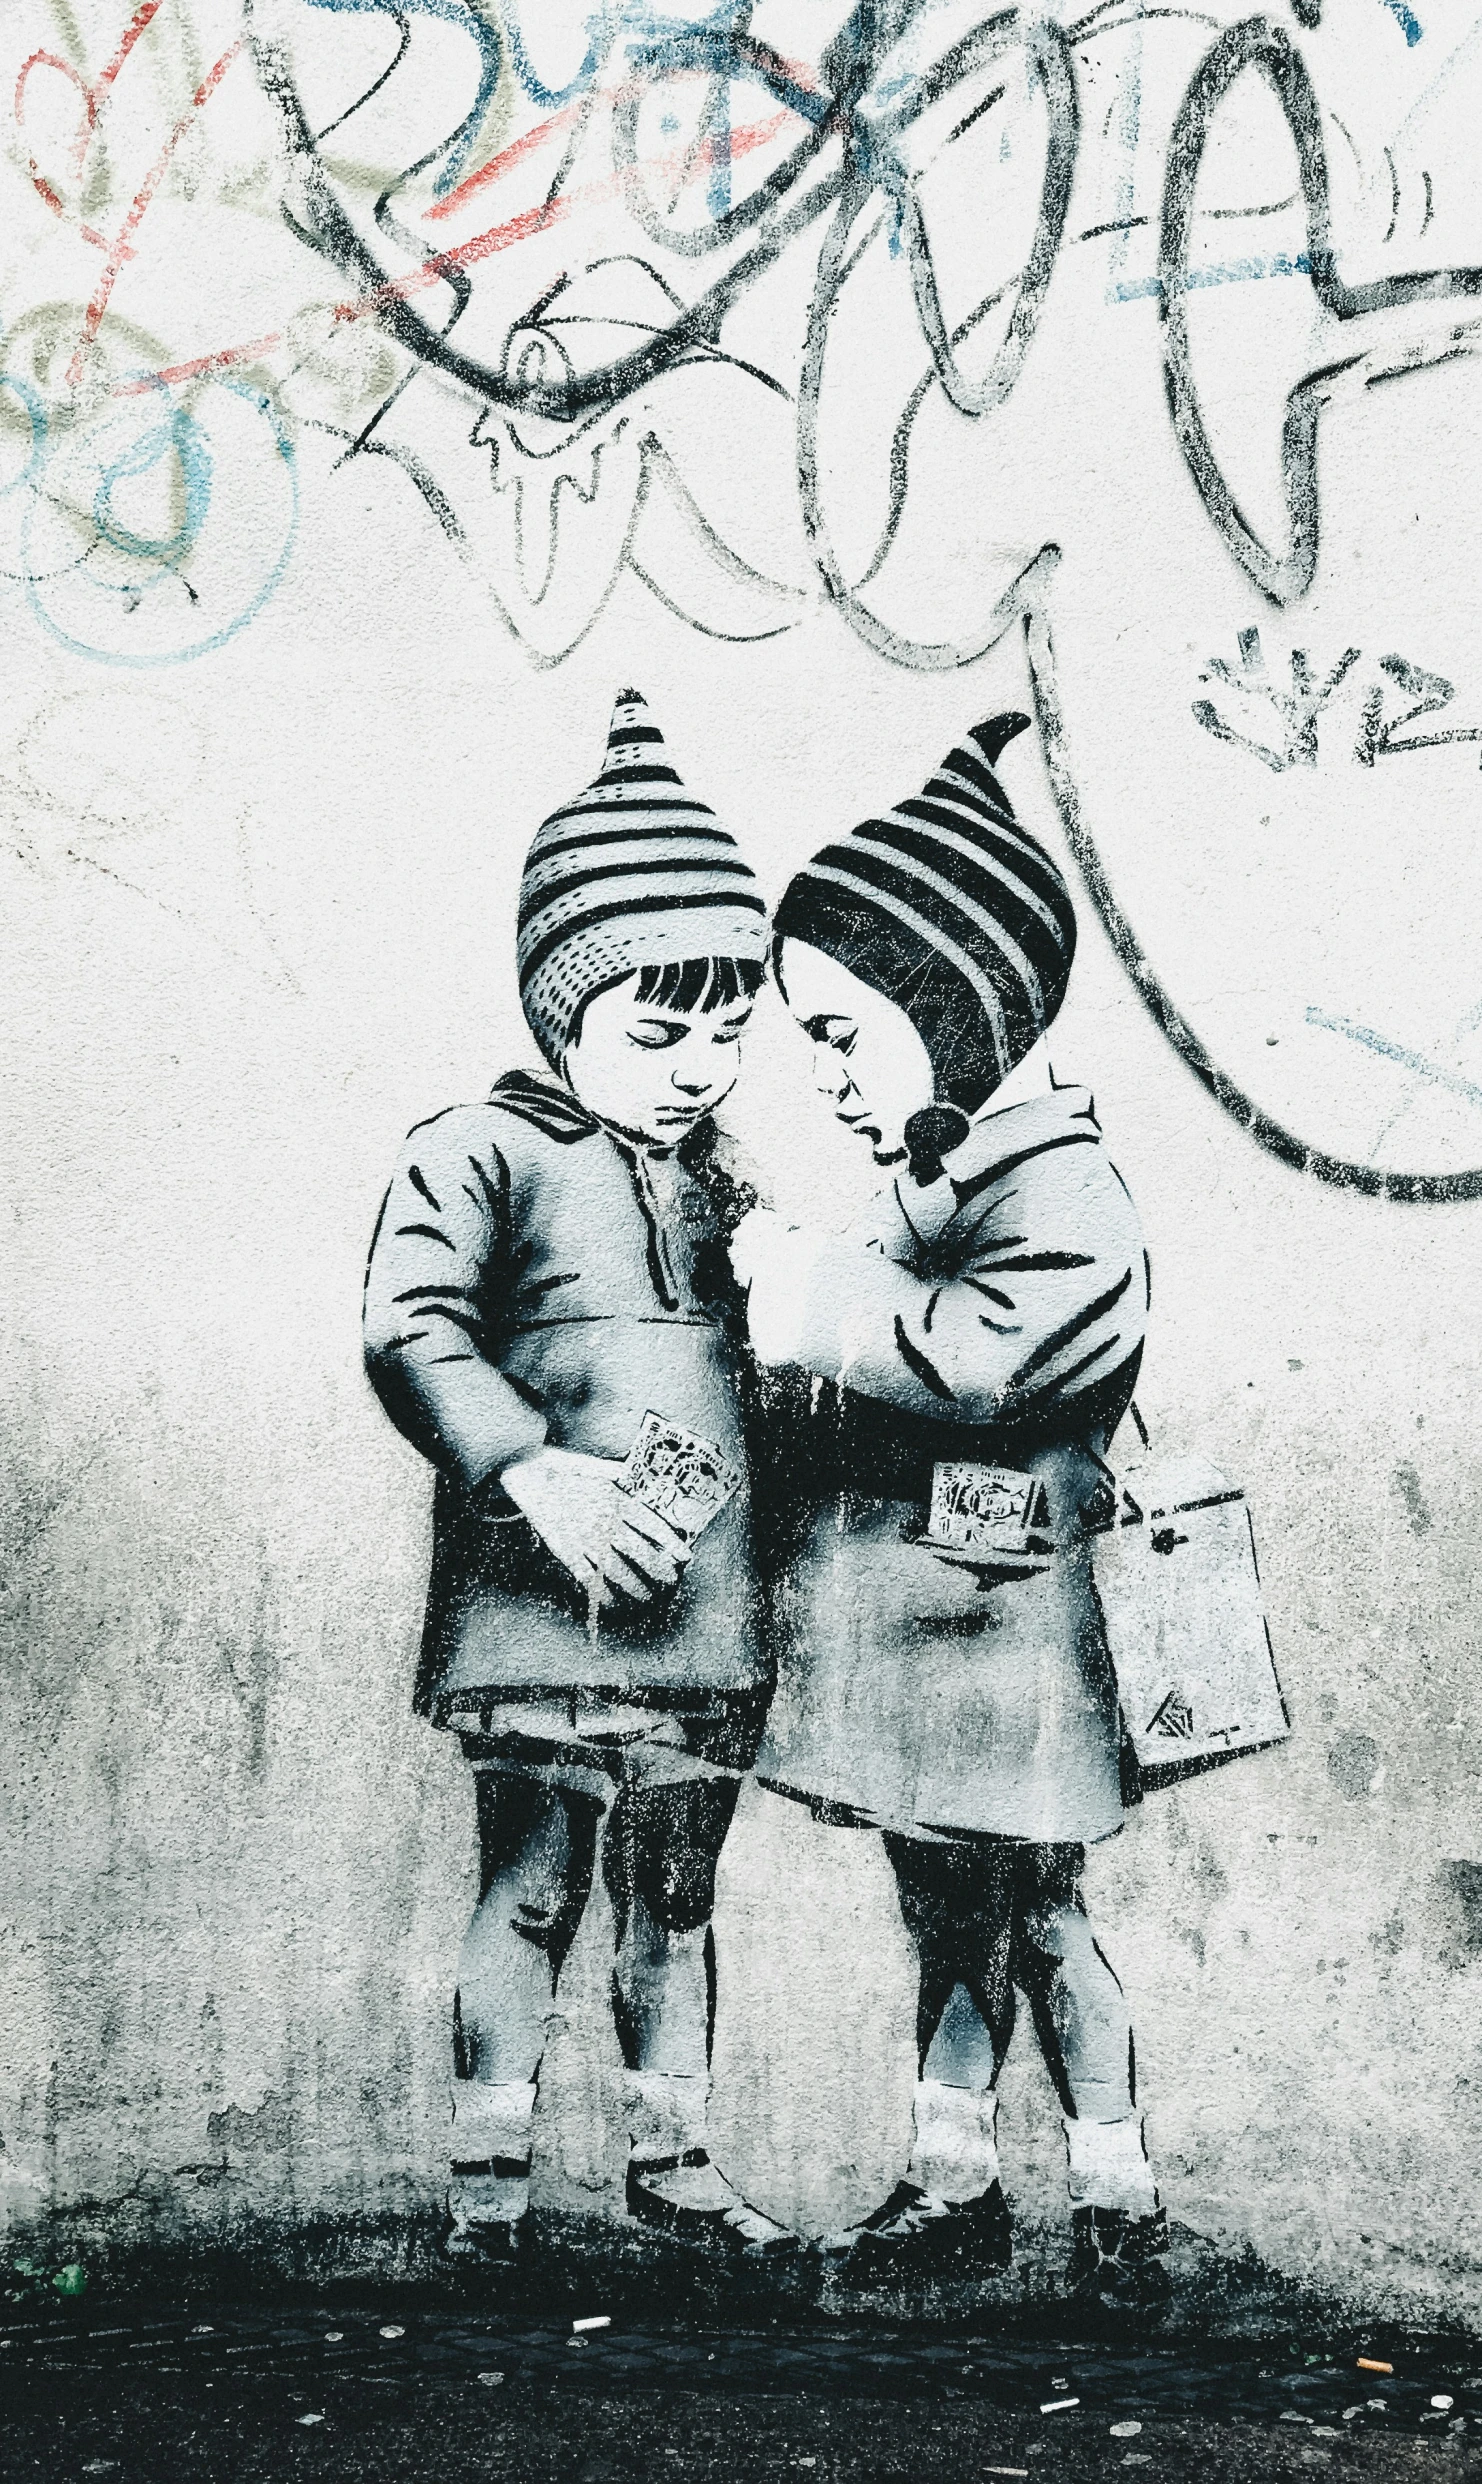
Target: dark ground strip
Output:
[(207, 2371), (346, 2429), (348, 2344)]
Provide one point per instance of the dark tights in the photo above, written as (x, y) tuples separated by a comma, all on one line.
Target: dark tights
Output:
[(538, 1852), (992, 1916)]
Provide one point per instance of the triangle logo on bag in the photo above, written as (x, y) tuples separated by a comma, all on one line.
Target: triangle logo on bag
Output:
[(1174, 1718)]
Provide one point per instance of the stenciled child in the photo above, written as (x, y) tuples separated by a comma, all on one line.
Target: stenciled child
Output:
[(980, 1331), (548, 1270)]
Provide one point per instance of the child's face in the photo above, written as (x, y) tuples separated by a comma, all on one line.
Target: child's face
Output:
[(868, 1058), (654, 1072)]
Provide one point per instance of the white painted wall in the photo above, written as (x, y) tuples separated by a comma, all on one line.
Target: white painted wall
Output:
[(257, 919)]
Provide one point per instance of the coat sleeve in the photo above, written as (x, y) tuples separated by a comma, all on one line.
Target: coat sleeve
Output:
[(1023, 1319), (439, 1259)]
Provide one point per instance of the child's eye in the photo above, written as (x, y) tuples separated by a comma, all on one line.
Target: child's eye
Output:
[(656, 1035), (846, 1043)]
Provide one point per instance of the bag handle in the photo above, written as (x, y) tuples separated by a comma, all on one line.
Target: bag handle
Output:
[(1119, 1490)]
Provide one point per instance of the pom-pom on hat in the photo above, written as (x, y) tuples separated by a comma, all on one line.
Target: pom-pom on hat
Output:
[(952, 910), (632, 872)]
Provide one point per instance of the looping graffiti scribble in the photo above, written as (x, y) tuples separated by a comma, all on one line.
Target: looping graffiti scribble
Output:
[(734, 204), (1259, 44)]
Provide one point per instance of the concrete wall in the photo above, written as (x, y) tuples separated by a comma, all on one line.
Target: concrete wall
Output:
[(257, 920)]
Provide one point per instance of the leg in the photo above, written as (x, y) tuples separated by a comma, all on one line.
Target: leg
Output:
[(659, 1859), (957, 1903), (536, 1849), (1080, 2011), (537, 1844), (1080, 2015)]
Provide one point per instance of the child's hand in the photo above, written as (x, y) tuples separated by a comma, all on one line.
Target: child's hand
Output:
[(571, 1501), (646, 1556), (607, 1540)]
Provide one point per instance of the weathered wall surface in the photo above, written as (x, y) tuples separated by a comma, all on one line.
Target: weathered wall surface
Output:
[(257, 920)]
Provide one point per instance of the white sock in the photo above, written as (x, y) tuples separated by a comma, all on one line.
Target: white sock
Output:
[(666, 2111), (955, 2155), (491, 2123), (1108, 2165), (666, 2118)]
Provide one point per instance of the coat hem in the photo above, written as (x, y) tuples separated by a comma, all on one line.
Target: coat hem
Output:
[(833, 1812)]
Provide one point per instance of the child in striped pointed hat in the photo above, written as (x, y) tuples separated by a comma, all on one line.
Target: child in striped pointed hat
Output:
[(632, 874), (973, 1343), (549, 1270)]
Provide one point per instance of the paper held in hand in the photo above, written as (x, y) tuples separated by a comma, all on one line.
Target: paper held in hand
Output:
[(977, 1508), (684, 1478)]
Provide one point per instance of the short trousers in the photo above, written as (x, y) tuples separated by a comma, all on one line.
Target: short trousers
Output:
[(591, 1743)]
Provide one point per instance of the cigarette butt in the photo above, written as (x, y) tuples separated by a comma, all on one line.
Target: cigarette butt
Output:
[(599, 2320), (1366, 2363), (1005, 2470), (1057, 2406)]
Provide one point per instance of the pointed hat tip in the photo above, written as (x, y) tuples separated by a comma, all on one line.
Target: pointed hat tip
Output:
[(995, 733), (632, 724)]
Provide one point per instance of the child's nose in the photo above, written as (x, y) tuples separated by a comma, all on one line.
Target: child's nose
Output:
[(829, 1074)]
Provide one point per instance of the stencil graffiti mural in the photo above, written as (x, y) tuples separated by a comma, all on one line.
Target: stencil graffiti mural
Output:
[(543, 1264), (974, 1137), (610, 1605)]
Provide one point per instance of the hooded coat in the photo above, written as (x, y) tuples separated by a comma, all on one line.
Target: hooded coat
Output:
[(994, 1314), (534, 1278)]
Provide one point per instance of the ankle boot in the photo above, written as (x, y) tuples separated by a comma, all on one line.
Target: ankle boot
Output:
[(1119, 2228), (949, 2216), (1118, 2259), (489, 2188), (672, 2183)]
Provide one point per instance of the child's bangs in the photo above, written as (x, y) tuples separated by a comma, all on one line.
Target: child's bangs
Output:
[(700, 984)]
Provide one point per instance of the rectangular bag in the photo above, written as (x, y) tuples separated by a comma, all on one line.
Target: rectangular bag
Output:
[(1185, 1623)]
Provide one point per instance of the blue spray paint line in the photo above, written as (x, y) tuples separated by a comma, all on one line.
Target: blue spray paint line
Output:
[(635, 24), (1399, 1053), (35, 413), (183, 439), (1409, 22), (199, 482), (547, 98), (1234, 272)]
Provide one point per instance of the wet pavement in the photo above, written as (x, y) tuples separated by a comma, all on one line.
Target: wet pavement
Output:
[(353, 2387), (603, 2358)]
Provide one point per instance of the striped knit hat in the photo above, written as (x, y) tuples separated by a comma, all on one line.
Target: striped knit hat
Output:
[(633, 872), (952, 910)]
